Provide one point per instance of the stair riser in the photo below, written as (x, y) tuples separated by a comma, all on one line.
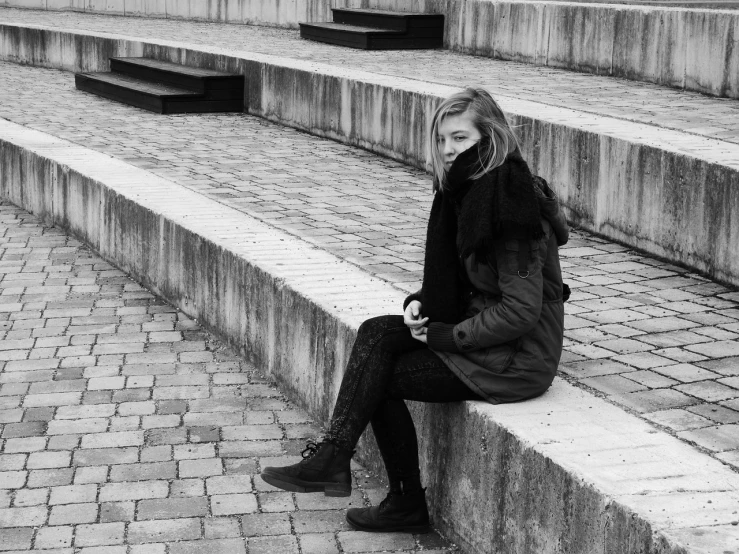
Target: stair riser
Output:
[(410, 43), (201, 106), (370, 42)]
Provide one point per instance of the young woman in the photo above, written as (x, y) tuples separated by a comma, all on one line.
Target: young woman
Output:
[(487, 323)]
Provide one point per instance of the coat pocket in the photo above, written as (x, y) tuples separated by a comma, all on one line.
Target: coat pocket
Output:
[(499, 358)]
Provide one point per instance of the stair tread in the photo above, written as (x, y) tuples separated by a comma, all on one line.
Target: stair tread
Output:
[(352, 28), (146, 87), (624, 103), (386, 13), (176, 68)]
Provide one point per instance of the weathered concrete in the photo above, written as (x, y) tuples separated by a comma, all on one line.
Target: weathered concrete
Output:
[(250, 12), (565, 473), (679, 47), (218, 267), (670, 193)]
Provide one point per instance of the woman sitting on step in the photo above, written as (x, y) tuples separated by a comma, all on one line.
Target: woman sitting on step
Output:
[(487, 323)]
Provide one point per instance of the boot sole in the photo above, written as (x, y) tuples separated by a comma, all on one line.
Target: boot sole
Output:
[(297, 485), (415, 529)]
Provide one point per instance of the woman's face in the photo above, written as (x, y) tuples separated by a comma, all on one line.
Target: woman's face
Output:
[(456, 133)]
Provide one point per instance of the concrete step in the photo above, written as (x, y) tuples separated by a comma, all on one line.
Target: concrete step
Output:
[(636, 166), (591, 476), (690, 47)]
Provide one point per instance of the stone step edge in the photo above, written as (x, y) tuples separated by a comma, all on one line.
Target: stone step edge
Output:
[(714, 151), (629, 182), (590, 474), (695, 51)]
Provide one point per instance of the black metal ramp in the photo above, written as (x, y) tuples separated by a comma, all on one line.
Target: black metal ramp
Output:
[(378, 30), (165, 87)]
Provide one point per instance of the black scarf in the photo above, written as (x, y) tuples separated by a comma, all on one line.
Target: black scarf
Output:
[(467, 218)]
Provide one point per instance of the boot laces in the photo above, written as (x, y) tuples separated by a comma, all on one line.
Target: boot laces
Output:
[(311, 449), (384, 504)]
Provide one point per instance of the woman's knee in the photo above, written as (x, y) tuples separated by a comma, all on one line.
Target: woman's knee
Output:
[(378, 326)]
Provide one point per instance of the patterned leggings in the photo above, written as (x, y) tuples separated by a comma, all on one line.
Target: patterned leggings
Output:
[(387, 366)]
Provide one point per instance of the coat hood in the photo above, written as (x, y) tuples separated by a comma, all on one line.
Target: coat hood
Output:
[(550, 210)]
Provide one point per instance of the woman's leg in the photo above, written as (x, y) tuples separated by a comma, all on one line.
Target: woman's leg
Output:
[(422, 376), (396, 437), (325, 466), (385, 362), (380, 341), (386, 366), (417, 375)]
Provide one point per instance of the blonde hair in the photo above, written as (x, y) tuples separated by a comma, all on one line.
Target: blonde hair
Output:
[(490, 121)]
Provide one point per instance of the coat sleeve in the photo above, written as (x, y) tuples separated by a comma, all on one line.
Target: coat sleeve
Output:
[(520, 279), (411, 297)]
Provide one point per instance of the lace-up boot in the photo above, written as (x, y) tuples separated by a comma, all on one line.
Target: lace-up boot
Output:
[(398, 512), (324, 468)]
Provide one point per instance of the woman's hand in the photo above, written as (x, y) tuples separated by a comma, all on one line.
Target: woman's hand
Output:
[(412, 318), (420, 334)]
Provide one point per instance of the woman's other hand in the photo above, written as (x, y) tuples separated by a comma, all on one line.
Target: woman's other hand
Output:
[(417, 324), (412, 316)]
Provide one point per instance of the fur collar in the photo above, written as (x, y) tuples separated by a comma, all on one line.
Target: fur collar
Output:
[(503, 202)]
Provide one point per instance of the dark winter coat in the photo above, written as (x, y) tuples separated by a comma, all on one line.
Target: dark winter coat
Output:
[(506, 340)]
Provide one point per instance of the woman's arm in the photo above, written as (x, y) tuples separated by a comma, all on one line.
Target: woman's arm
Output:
[(518, 310)]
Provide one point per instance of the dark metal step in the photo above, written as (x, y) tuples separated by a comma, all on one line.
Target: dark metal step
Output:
[(370, 38), (155, 97), (385, 19), (193, 78)]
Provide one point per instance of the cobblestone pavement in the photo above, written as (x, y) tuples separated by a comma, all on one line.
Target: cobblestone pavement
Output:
[(642, 102), (125, 425), (651, 337)]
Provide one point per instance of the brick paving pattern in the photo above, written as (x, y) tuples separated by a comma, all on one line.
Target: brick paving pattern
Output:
[(364, 208), (649, 336), (690, 112), (127, 429), (655, 339)]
